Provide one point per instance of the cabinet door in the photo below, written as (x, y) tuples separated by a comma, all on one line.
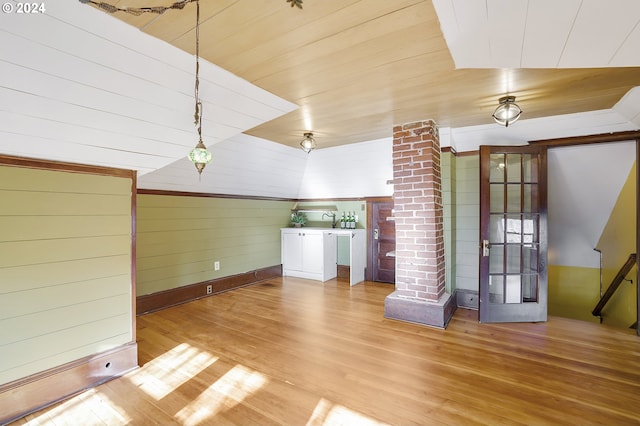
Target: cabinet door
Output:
[(330, 255), (358, 255), (292, 251), (312, 255)]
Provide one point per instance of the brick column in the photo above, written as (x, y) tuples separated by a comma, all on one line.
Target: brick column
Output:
[(420, 258)]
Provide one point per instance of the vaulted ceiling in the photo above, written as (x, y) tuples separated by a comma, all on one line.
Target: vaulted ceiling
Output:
[(357, 67), (83, 85)]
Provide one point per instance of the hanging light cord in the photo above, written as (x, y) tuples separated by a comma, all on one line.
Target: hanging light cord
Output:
[(198, 112), (200, 156), (137, 11)]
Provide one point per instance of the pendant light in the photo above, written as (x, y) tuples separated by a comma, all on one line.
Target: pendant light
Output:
[(508, 111), (200, 156)]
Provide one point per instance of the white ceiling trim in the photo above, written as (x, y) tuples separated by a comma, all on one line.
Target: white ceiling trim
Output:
[(541, 33), (629, 106), (470, 138), (624, 116)]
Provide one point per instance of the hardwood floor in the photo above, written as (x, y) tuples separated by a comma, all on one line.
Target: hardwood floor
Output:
[(296, 352)]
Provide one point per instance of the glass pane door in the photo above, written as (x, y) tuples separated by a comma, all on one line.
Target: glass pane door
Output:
[(513, 233)]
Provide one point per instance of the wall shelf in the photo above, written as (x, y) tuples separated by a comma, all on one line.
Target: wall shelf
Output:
[(313, 209)]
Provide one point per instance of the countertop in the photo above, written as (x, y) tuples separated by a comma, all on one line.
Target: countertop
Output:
[(334, 230)]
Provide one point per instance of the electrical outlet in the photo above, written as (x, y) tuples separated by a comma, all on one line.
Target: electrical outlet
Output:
[(209, 289), (216, 265), (467, 299)]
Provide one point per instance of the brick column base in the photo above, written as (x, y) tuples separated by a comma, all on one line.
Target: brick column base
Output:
[(423, 312)]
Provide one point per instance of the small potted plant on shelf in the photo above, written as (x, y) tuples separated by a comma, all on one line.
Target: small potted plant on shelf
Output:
[(298, 219)]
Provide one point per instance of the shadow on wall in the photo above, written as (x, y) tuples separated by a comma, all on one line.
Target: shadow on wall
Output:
[(575, 290)]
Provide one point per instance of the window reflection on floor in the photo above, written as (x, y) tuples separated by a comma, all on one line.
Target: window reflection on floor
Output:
[(228, 391), (164, 374), (328, 413)]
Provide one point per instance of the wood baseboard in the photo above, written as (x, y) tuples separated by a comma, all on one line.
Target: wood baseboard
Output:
[(176, 296), (32, 393), (467, 298)]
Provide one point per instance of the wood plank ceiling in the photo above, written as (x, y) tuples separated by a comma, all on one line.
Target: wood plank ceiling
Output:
[(357, 67)]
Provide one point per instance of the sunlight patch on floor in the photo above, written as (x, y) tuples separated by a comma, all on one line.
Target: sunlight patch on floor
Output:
[(227, 392), (74, 411), (164, 374), (328, 413)]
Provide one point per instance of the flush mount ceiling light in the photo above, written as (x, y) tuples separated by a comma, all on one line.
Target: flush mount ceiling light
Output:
[(507, 112), (308, 143)]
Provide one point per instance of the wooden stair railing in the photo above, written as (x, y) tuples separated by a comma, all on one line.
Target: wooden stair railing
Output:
[(624, 270)]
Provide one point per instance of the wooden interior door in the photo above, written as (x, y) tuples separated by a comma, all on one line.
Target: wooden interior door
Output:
[(513, 234), (383, 242)]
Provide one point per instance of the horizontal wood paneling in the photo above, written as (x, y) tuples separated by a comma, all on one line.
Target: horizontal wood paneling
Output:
[(467, 219), (19, 253), (22, 302), (118, 98), (25, 228), (161, 265), (180, 237), (335, 58), (28, 177), (73, 272), (65, 267), (28, 326), (242, 165), (43, 352), (39, 390), (55, 204)]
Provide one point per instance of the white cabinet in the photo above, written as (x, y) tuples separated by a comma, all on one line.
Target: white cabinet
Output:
[(308, 253)]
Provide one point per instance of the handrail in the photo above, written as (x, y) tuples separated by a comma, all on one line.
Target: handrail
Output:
[(597, 311)]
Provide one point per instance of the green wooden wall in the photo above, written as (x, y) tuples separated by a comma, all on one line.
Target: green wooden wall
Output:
[(65, 267), (180, 237)]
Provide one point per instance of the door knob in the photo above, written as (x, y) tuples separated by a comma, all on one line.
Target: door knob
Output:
[(376, 233), (485, 248)]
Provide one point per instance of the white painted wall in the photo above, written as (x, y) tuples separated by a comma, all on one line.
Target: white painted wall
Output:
[(584, 184), (246, 165), (241, 165), (356, 170)]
